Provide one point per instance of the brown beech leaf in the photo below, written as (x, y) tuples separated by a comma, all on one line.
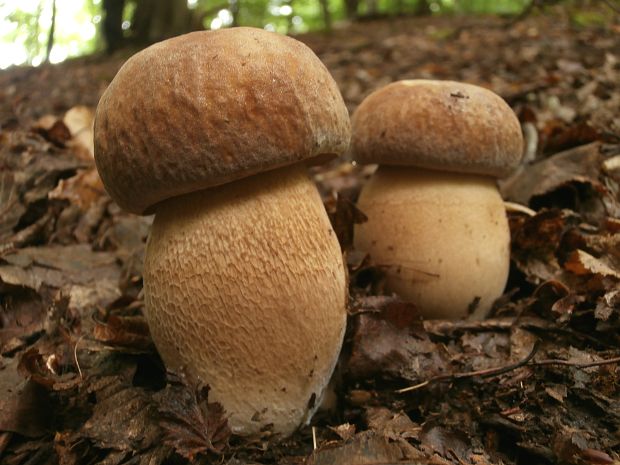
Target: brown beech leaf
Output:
[(22, 318), (54, 131), (391, 425), (343, 216), (447, 443), (192, 425), (84, 189), (386, 347), (367, 448), (582, 163), (21, 402), (345, 431), (124, 417), (582, 263), (606, 305), (47, 370), (535, 241), (126, 331), (563, 138)]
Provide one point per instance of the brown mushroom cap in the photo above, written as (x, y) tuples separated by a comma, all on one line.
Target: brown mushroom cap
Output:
[(442, 125), (207, 108)]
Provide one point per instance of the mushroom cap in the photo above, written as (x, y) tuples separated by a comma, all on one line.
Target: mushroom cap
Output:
[(441, 125), (210, 107)]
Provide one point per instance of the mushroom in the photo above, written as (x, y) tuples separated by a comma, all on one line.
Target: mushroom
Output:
[(244, 282), (436, 221)]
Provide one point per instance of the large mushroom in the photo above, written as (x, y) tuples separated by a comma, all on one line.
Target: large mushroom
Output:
[(244, 281), (436, 221)]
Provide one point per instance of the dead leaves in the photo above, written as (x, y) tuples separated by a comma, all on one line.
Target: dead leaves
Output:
[(190, 423), (21, 403), (388, 338), (71, 269)]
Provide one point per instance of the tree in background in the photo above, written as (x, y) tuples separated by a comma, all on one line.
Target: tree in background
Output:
[(37, 32), (112, 24)]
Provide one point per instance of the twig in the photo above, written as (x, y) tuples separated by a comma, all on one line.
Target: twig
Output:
[(471, 374), (568, 363), (527, 361), (314, 444), (75, 356)]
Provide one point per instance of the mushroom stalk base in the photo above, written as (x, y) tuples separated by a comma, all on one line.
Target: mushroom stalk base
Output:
[(441, 238), (245, 291)]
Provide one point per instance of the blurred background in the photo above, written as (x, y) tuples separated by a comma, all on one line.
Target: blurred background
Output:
[(36, 31)]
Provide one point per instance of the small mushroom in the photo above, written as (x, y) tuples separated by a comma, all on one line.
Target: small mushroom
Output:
[(244, 281), (436, 221)]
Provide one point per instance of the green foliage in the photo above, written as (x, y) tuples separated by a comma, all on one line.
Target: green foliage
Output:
[(25, 27), (24, 30)]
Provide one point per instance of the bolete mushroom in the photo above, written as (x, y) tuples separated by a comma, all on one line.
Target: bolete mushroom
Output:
[(436, 221), (244, 282)]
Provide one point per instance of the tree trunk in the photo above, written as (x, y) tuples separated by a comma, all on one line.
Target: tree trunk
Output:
[(423, 8), (327, 17), (234, 11), (50, 37), (373, 7), (155, 20), (351, 7), (113, 24)]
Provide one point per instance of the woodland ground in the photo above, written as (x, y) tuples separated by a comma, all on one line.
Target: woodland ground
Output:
[(537, 382)]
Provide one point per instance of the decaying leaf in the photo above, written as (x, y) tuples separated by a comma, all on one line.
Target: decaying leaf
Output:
[(191, 425), (131, 332), (389, 339), (21, 403), (83, 189), (582, 263), (124, 418), (365, 448)]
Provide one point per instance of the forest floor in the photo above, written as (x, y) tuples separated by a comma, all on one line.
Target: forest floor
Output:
[(536, 382)]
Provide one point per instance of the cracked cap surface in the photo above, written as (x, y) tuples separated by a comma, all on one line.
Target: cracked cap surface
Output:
[(441, 125), (210, 107)]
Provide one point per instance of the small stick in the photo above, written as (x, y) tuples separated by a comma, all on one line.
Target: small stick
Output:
[(314, 437), (75, 356), (471, 374), (527, 361), (568, 363)]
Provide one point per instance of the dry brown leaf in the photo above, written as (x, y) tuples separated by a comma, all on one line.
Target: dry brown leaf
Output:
[(125, 331), (83, 189), (365, 448), (345, 431), (191, 425), (582, 263), (21, 402)]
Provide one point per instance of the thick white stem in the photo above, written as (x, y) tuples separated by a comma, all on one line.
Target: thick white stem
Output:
[(442, 238), (245, 289)]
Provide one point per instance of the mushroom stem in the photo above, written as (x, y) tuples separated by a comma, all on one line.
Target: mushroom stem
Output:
[(442, 238), (245, 290)]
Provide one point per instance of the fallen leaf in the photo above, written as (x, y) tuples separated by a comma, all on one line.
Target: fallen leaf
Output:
[(383, 348), (582, 263), (124, 418), (83, 189), (21, 402), (191, 425), (345, 431), (365, 448), (125, 331)]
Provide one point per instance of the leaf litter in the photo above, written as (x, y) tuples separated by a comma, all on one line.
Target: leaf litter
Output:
[(537, 382)]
